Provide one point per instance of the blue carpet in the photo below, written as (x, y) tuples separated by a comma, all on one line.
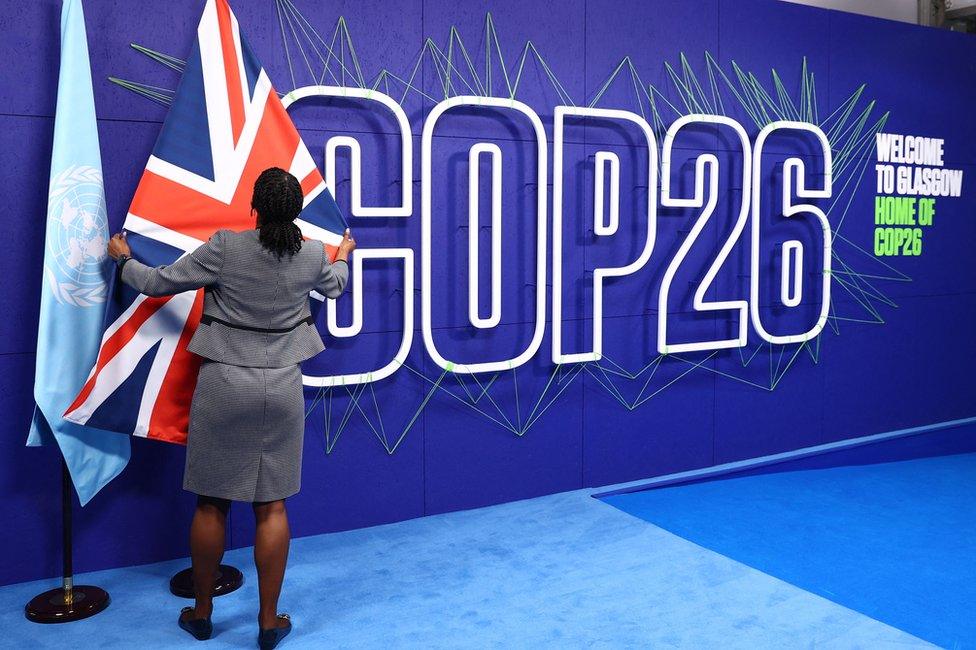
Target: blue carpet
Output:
[(895, 541), (562, 571)]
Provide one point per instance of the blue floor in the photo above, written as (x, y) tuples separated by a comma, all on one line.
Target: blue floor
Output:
[(562, 571), (894, 541)]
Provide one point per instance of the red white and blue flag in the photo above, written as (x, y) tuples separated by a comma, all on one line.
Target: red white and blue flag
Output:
[(225, 126)]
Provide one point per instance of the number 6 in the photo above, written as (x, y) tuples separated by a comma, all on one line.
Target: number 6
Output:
[(792, 250)]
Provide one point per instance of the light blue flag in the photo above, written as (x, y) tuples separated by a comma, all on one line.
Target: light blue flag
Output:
[(76, 273)]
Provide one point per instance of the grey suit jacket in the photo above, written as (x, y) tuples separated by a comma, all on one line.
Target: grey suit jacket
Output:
[(247, 285)]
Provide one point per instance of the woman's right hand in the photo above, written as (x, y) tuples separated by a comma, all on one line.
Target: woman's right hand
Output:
[(347, 246), (118, 246)]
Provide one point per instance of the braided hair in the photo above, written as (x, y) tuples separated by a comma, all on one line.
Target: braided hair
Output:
[(278, 199)]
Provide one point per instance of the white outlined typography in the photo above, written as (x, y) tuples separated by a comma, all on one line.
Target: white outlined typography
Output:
[(792, 250), (710, 163), (606, 221), (601, 226), (425, 230), (405, 209)]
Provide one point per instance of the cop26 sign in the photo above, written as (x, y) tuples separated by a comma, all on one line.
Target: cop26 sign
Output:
[(800, 185)]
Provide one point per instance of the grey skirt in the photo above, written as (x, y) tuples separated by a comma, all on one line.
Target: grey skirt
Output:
[(246, 431)]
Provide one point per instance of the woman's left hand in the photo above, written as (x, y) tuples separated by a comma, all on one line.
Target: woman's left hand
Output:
[(117, 246)]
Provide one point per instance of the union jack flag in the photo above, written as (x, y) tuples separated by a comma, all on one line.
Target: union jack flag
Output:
[(225, 126)]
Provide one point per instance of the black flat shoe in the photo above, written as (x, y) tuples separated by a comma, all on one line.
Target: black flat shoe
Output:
[(268, 639), (200, 628)]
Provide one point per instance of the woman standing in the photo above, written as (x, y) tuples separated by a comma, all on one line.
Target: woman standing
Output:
[(247, 419)]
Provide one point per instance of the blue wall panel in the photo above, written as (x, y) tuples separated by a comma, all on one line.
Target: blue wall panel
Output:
[(25, 144), (471, 461), (918, 369), (646, 418), (897, 63), (896, 351)]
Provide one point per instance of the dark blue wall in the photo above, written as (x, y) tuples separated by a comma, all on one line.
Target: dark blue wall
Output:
[(862, 378)]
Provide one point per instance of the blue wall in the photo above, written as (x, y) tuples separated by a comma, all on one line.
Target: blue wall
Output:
[(861, 378)]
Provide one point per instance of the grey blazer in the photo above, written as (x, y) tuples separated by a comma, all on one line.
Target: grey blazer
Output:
[(247, 285)]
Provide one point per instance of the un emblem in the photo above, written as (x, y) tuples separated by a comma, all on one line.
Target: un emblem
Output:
[(77, 233)]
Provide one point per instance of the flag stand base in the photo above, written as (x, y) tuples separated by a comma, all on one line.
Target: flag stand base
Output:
[(66, 604), (69, 602), (229, 579)]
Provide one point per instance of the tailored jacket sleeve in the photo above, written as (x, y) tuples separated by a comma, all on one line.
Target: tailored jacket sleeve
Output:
[(194, 271), (333, 278)]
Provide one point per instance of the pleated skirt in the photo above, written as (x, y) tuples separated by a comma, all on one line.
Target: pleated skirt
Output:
[(246, 432)]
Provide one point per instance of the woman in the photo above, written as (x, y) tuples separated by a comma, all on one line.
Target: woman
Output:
[(248, 412)]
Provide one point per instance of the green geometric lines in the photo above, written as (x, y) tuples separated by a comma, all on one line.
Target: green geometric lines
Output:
[(500, 398)]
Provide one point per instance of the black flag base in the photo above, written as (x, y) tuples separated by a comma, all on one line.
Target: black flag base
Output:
[(66, 604), (69, 602), (228, 579)]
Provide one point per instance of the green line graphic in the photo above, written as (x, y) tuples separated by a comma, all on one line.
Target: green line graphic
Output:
[(850, 128)]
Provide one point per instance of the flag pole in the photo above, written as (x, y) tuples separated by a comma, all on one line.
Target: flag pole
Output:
[(69, 602)]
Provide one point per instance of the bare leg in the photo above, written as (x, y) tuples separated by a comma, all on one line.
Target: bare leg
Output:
[(271, 540), (207, 534)]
